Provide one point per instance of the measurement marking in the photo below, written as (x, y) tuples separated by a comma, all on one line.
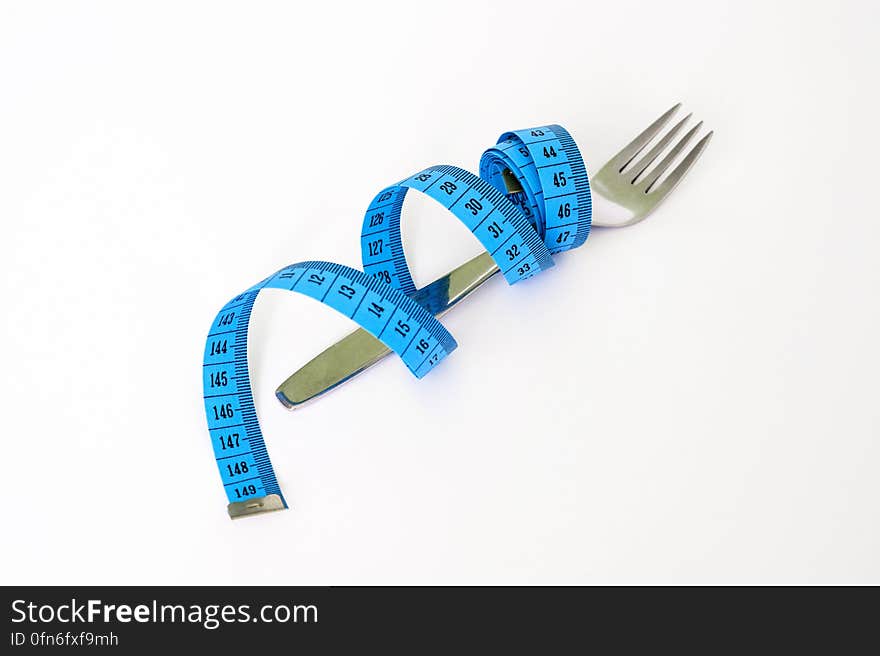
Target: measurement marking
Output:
[(329, 287), (243, 480), (442, 175), (226, 427), (484, 218), (223, 332), (301, 274), (459, 198), (375, 232), (234, 455), (564, 225), (529, 143), (379, 207), (517, 263), (425, 359), (415, 334), (568, 193), (390, 316), (217, 396), (359, 305), (503, 243)]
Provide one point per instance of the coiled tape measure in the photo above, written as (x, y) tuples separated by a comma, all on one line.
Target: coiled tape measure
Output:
[(532, 199)]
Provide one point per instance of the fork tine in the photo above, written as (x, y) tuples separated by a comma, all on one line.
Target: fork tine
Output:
[(628, 153), (648, 180), (637, 169), (679, 172)]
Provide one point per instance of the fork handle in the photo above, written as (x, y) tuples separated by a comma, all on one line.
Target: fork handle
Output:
[(359, 350)]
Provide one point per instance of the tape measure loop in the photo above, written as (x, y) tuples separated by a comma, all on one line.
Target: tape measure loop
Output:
[(555, 188), (532, 199)]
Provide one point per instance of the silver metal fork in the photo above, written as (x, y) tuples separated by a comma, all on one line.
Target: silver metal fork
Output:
[(624, 191)]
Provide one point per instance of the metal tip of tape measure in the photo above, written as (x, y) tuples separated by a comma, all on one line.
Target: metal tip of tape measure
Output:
[(511, 182), (264, 504)]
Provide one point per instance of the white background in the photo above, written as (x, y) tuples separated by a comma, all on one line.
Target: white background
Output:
[(690, 400)]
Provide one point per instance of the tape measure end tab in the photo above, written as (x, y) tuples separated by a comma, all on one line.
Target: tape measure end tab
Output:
[(286, 402), (511, 183), (268, 503)]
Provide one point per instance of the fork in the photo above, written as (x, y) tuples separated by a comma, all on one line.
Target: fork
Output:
[(624, 192)]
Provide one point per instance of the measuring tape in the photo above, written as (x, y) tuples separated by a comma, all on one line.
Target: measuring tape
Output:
[(532, 199)]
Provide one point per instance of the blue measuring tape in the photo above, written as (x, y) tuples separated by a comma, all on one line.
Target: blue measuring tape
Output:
[(532, 199)]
